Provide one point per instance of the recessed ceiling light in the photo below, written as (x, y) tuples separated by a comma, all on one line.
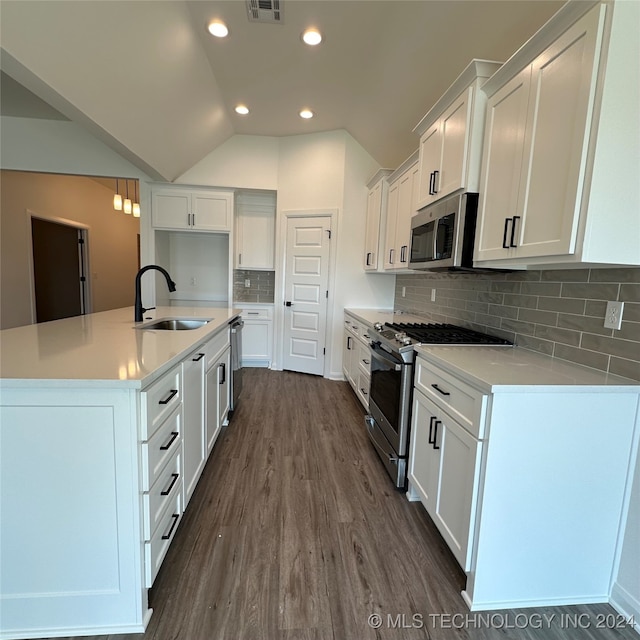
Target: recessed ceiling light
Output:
[(306, 114), (312, 37), (218, 29), (242, 109)]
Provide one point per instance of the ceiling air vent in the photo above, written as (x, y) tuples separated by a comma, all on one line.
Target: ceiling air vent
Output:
[(265, 11)]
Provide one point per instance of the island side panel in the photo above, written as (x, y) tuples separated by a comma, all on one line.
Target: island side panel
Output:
[(553, 495), (70, 532)]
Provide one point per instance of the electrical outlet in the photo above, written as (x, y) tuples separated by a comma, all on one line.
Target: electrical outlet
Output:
[(613, 315), (404, 292), (247, 283), (433, 295)]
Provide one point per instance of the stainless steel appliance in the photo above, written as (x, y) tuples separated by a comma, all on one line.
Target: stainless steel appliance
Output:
[(442, 234), (390, 395), (236, 362)]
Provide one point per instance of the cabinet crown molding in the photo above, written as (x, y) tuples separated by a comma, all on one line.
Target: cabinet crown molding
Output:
[(475, 70), (377, 176), (409, 162)]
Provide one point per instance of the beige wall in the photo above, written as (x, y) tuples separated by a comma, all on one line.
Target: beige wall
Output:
[(112, 239)]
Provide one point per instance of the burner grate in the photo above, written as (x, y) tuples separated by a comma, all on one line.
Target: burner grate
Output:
[(444, 334)]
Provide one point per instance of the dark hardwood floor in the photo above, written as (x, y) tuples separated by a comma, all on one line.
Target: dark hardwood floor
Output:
[(295, 532)]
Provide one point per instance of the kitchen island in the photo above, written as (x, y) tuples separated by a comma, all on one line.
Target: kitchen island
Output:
[(101, 443)]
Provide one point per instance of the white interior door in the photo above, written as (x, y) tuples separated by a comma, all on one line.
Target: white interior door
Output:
[(306, 287)]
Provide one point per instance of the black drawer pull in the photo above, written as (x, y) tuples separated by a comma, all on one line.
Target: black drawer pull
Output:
[(174, 435), (167, 491), (253, 313), (200, 356), (168, 398), (176, 517), (367, 362), (364, 391), (439, 390), (224, 372)]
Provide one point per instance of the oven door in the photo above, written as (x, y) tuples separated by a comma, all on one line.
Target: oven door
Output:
[(390, 396)]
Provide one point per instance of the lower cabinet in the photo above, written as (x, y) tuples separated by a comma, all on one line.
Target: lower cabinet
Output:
[(443, 471), (257, 336), (217, 395), (356, 362)]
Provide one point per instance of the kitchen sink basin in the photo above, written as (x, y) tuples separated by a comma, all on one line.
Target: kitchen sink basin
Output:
[(175, 324)]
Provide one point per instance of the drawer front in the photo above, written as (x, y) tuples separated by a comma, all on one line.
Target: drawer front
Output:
[(159, 400), (159, 449), (161, 493), (257, 313), (156, 549), (364, 357), (216, 346), (464, 403), (364, 382)]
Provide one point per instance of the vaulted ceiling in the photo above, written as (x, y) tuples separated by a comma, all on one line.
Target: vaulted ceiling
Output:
[(148, 79)]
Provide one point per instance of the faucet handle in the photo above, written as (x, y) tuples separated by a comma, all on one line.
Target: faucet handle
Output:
[(145, 310)]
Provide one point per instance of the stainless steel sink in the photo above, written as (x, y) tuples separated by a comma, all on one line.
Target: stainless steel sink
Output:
[(174, 324)]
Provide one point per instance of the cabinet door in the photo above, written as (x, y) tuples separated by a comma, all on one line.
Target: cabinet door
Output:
[(194, 447), (430, 156), (212, 211), (454, 125), (403, 220), (255, 239), (390, 256), (171, 209), (372, 228), (212, 418), (501, 166), (349, 358), (561, 100), (256, 341), (224, 371)]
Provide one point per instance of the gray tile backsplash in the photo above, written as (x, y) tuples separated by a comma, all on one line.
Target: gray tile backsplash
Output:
[(261, 286), (557, 312)]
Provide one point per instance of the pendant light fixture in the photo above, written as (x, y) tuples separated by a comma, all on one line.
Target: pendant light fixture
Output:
[(117, 198), (127, 202), (136, 204)]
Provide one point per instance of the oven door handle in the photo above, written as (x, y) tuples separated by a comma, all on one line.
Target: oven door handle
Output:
[(371, 432), (375, 353)]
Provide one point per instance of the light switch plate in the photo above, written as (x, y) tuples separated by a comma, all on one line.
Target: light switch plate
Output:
[(247, 283), (613, 315), (433, 295)]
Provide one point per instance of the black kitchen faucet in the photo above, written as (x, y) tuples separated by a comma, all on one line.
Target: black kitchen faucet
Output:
[(139, 309)]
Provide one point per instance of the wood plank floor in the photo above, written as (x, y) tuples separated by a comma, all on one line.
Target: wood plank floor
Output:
[(295, 532)]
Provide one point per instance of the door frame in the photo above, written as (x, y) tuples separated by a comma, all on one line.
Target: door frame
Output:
[(279, 297), (82, 258)]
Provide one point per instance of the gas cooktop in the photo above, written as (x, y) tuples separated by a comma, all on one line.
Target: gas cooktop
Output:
[(405, 335)]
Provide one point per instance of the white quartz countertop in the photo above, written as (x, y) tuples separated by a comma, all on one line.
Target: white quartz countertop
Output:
[(492, 369), (102, 349), (371, 316)]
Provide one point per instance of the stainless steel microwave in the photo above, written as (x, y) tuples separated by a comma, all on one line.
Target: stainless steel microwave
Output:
[(442, 234)]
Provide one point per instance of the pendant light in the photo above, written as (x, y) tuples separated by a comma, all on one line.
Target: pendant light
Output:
[(117, 198), (127, 202), (136, 204)]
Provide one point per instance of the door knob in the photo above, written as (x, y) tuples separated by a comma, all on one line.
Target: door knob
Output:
[(288, 304)]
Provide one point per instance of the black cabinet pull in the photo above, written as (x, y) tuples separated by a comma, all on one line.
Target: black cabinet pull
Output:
[(513, 231), (367, 362), (368, 264), (168, 398), (403, 253), (200, 356), (439, 390), (431, 178), (433, 419), (174, 435), (435, 177), (391, 256), (224, 372), (349, 343), (504, 235), (176, 517), (167, 491), (435, 433)]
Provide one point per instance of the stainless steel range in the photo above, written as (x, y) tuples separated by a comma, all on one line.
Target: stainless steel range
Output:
[(390, 397)]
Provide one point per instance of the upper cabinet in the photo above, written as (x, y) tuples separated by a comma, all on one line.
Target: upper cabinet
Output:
[(401, 205), (376, 216), (192, 210), (559, 182), (451, 137), (255, 230)]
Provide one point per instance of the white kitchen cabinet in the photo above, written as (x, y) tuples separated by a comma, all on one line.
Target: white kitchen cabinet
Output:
[(257, 336), (216, 403), (451, 137), (193, 210), (509, 445), (194, 445), (556, 163), (356, 361), (224, 371), (255, 231), (375, 221), (400, 209)]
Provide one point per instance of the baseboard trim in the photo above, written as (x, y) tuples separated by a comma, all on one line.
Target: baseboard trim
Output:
[(626, 604)]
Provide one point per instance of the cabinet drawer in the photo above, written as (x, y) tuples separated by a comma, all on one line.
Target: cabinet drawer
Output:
[(156, 549), (157, 451), (364, 357), (257, 313), (364, 382), (216, 346), (159, 400), (161, 493), (461, 401)]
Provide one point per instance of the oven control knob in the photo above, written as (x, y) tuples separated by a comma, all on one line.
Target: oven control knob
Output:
[(378, 326), (400, 336), (406, 340)]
